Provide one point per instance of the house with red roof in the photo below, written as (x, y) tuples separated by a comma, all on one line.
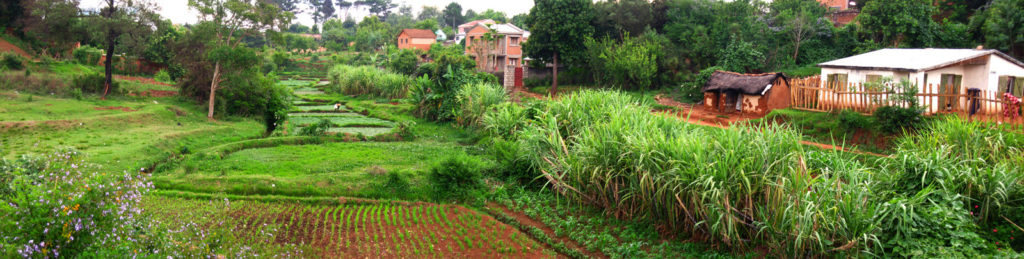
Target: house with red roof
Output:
[(416, 39)]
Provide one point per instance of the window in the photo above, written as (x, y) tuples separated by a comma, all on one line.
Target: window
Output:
[(514, 41), (836, 80), (1012, 85), (949, 84), (873, 78)]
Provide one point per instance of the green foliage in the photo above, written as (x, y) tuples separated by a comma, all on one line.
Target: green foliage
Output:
[(507, 119), (852, 121), (403, 61), (253, 94), (512, 161), (567, 24), (70, 208), (367, 80), (372, 34), (894, 119), (12, 61), (317, 129), (899, 23), (457, 177), (631, 65), (1002, 26), (163, 77), (694, 89), (741, 56), (435, 93), (477, 99), (92, 83), (87, 55)]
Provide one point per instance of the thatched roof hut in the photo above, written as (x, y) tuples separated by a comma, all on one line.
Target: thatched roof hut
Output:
[(754, 84), (749, 93)]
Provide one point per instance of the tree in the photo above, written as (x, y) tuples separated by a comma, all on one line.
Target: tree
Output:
[(54, 23), (896, 23), (618, 18), (470, 15), (1004, 26), (288, 5), (799, 19), (10, 13), (228, 21), (121, 17), (429, 24), (321, 10), (429, 13), (519, 20), (453, 15), (483, 48), (380, 8), (344, 5), (497, 16), (567, 26)]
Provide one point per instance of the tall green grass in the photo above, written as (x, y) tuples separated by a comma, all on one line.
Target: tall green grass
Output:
[(475, 100), (757, 186), (367, 80)]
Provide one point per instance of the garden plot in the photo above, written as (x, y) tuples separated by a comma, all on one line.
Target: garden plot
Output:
[(380, 230), (342, 121)]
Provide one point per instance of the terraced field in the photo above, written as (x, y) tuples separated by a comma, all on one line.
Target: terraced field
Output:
[(307, 112), (367, 230)]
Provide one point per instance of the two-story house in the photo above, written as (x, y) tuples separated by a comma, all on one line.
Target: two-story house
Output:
[(460, 32), (416, 39), (496, 46)]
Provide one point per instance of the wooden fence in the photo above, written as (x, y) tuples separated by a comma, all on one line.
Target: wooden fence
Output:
[(810, 94)]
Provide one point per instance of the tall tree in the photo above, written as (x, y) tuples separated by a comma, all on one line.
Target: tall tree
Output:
[(321, 10), (379, 8), (566, 26), (453, 15), (619, 18), (1004, 26), (470, 15), (229, 21), (798, 19), (429, 13), (54, 23), (122, 17), (520, 21), (288, 5), (344, 5), (497, 16), (896, 23)]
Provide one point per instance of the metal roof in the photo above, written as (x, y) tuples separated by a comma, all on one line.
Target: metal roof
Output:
[(912, 60)]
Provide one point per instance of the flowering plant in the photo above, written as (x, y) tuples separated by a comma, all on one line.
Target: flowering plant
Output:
[(68, 208)]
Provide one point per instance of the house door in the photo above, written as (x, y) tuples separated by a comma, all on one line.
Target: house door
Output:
[(948, 87), (519, 76)]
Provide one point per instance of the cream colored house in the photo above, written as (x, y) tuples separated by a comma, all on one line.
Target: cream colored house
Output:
[(943, 70)]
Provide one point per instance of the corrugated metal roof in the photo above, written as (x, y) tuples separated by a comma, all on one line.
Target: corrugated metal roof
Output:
[(911, 59)]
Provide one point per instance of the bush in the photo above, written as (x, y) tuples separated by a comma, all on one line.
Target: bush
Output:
[(893, 119), (851, 121), (506, 119), (253, 94), (456, 177), (317, 129), (72, 209), (38, 83), (87, 55), (477, 99), (163, 77), (512, 163), (631, 65), (93, 83), (366, 80), (694, 89), (403, 61), (12, 61)]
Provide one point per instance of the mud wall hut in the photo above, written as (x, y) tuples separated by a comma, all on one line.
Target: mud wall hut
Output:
[(746, 93)]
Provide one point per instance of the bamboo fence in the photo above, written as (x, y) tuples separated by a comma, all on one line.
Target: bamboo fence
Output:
[(811, 95)]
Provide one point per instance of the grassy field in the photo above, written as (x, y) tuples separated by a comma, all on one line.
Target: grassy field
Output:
[(332, 169), (118, 133)]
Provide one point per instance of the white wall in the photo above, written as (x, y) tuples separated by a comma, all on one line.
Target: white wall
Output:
[(998, 66)]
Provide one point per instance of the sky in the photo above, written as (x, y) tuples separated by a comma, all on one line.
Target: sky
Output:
[(179, 13)]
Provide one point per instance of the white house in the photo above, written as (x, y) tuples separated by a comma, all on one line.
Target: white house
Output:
[(941, 70)]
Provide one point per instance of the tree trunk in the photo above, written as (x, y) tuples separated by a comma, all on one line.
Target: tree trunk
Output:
[(108, 64), (213, 88), (796, 52), (554, 77)]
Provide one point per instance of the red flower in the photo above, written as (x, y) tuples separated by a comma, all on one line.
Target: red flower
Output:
[(994, 230), (975, 206)]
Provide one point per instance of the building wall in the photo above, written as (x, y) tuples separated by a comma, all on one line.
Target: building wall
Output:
[(406, 42), (840, 4), (1001, 67)]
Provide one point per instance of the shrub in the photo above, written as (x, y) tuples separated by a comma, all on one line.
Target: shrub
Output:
[(506, 119), (477, 99), (163, 77), (403, 61), (456, 177), (87, 55), (72, 209), (253, 94), (316, 129), (893, 119), (366, 80), (93, 83), (631, 64), (694, 89), (436, 94), (512, 163), (12, 61), (851, 121), (39, 83)]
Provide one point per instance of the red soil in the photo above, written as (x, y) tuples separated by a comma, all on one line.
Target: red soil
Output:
[(7, 46), (124, 109), (391, 234)]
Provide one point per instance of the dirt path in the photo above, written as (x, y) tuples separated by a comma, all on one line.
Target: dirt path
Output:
[(7, 46), (690, 111)]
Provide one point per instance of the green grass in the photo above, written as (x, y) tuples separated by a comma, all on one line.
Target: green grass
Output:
[(804, 71), (332, 169), (114, 138), (834, 128)]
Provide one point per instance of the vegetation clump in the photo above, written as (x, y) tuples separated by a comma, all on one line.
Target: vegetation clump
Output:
[(367, 80)]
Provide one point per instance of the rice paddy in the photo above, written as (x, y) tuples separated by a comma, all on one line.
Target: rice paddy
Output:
[(342, 119)]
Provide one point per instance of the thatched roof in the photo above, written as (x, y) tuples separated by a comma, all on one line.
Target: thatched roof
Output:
[(746, 83)]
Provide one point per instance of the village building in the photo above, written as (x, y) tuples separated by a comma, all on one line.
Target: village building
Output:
[(961, 69), (416, 39), (463, 29), (746, 93), (496, 46)]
